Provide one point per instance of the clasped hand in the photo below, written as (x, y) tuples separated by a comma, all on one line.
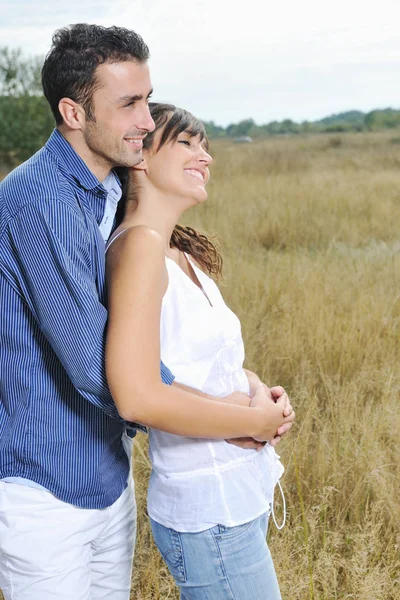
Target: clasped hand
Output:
[(276, 393)]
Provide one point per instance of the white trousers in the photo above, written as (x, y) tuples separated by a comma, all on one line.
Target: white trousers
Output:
[(50, 550)]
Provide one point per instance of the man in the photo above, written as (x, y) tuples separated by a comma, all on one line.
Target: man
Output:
[(59, 429), (67, 508)]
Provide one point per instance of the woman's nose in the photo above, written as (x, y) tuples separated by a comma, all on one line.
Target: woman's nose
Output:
[(205, 157)]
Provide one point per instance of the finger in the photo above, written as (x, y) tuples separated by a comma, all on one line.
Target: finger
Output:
[(288, 409), (283, 399), (277, 391), (285, 428), (275, 441), (290, 418)]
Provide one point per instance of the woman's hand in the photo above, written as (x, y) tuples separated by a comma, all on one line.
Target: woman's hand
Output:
[(276, 392), (279, 392), (276, 417)]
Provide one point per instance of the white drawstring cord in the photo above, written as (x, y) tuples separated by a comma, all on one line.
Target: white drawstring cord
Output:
[(284, 509)]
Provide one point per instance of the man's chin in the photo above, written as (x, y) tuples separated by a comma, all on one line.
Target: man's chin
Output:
[(134, 158), (139, 158)]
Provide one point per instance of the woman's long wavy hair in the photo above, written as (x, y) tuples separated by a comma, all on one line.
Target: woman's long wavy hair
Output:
[(174, 121)]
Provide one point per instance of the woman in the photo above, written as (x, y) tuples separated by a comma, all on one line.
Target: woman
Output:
[(208, 501)]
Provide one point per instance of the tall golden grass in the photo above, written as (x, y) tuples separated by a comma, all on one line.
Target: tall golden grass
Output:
[(311, 240)]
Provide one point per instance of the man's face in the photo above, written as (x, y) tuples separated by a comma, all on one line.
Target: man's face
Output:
[(121, 115)]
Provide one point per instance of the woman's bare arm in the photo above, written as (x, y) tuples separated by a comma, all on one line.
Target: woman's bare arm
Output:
[(137, 279), (239, 398)]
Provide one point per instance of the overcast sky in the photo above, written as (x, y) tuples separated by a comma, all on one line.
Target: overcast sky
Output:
[(227, 61)]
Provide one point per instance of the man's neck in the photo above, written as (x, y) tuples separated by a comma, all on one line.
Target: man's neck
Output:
[(100, 168)]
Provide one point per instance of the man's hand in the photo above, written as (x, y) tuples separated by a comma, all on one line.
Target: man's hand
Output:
[(247, 443)]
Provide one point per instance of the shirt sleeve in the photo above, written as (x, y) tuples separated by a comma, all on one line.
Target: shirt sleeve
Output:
[(49, 262)]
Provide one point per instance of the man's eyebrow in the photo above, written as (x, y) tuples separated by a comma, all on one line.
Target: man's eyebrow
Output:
[(126, 99)]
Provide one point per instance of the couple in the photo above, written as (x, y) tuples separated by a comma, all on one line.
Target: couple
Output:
[(71, 399)]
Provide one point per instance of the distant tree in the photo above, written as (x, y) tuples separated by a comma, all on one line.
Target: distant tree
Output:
[(387, 118), (353, 120), (19, 76), (213, 130), (289, 126), (307, 127), (350, 117), (240, 129), (25, 117), (256, 132)]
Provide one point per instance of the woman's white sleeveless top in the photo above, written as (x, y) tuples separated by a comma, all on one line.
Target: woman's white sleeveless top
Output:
[(198, 483)]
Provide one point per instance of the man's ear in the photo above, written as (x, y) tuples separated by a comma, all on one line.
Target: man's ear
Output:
[(72, 113), (142, 166)]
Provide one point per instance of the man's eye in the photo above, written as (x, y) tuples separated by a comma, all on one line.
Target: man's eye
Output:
[(129, 104)]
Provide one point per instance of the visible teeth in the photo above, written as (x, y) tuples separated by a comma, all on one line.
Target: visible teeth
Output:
[(195, 173)]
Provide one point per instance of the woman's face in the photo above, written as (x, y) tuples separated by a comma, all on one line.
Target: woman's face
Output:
[(180, 167)]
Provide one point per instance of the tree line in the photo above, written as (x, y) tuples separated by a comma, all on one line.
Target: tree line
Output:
[(387, 118), (26, 120)]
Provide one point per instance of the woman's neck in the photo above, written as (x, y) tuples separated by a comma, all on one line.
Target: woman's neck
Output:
[(154, 212)]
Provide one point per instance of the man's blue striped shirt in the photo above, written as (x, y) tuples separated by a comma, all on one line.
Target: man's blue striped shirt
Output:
[(58, 424)]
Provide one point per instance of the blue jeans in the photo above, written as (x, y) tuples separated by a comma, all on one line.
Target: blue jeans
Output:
[(221, 563)]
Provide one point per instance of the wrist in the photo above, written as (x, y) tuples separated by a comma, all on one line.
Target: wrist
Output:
[(255, 417), (243, 401)]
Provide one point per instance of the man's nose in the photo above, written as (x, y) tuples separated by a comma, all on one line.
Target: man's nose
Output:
[(145, 121)]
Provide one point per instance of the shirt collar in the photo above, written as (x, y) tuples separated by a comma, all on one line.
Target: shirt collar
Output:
[(71, 162)]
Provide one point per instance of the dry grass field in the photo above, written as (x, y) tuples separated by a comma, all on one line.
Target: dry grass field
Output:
[(310, 234)]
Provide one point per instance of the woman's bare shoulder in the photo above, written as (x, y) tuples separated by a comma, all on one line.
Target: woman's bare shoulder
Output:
[(138, 233), (134, 241)]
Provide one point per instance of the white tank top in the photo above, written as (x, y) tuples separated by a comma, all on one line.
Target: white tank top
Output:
[(198, 483)]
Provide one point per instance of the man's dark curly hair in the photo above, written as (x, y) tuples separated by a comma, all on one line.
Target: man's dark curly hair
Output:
[(69, 69)]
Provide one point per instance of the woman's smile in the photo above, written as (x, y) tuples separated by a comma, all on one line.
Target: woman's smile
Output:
[(196, 173)]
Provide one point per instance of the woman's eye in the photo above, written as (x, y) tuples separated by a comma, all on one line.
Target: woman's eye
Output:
[(186, 142)]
